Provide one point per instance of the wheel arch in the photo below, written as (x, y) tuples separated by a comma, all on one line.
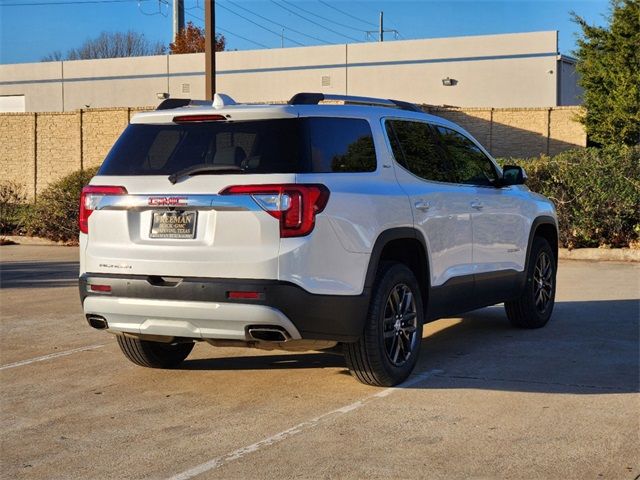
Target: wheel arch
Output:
[(405, 245), (547, 228)]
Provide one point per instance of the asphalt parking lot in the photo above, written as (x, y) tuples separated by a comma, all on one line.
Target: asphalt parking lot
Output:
[(486, 400)]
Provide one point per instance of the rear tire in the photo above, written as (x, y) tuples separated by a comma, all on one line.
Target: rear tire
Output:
[(154, 354), (388, 349), (534, 307)]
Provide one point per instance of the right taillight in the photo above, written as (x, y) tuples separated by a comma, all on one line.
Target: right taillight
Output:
[(89, 200), (294, 205)]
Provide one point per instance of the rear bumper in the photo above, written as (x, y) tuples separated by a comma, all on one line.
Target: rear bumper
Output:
[(200, 307)]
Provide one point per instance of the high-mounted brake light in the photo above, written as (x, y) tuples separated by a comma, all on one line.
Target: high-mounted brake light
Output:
[(295, 205), (198, 118), (89, 200)]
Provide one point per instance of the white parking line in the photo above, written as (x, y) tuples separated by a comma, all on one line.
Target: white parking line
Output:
[(279, 437), (50, 356)]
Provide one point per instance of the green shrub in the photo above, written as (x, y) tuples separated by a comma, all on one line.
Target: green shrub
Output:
[(596, 192), (55, 214), (12, 198)]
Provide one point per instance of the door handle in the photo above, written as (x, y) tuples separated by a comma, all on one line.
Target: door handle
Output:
[(477, 205), (422, 206)]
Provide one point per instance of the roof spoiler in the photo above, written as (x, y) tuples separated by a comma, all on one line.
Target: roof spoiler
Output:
[(220, 100), (306, 98)]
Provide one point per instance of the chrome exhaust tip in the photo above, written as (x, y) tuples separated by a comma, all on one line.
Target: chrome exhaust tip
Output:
[(98, 322), (268, 334)]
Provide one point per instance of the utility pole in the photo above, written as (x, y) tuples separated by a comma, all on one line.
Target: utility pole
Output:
[(178, 17), (282, 39), (210, 48), (381, 31)]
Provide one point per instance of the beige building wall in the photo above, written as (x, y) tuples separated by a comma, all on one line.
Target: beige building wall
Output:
[(114, 82), (278, 74), (512, 70), (40, 83), (40, 148), (487, 71)]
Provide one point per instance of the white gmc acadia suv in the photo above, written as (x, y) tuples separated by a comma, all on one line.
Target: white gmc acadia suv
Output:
[(305, 225)]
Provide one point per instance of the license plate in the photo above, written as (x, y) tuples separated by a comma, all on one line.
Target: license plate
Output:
[(173, 224)]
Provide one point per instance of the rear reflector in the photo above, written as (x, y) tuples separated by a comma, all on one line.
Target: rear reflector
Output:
[(244, 295), (100, 288)]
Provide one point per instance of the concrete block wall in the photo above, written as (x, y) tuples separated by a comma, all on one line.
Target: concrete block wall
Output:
[(37, 149), (58, 151), (100, 129), (17, 150), (520, 132)]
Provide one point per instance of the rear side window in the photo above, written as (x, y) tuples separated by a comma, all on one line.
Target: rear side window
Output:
[(341, 145), (306, 145), (416, 147), (472, 166)]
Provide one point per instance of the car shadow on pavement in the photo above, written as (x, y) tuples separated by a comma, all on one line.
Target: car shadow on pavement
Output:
[(38, 274), (589, 347)]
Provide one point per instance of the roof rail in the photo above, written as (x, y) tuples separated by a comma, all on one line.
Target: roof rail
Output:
[(315, 98)]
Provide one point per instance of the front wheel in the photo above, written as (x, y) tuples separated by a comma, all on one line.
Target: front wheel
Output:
[(154, 354), (534, 307), (387, 351)]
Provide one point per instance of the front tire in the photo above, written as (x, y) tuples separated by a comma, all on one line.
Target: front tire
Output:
[(154, 354), (387, 352), (534, 307)]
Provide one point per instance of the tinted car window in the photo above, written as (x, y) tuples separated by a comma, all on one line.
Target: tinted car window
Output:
[(308, 145), (472, 166), (258, 146), (341, 145), (415, 146)]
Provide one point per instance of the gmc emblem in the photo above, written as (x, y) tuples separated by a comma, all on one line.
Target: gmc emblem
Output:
[(167, 201)]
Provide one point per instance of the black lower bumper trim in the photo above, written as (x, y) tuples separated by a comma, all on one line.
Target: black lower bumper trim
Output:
[(317, 317)]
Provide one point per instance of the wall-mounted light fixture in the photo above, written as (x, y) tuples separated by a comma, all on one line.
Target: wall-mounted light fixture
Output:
[(162, 95), (449, 82)]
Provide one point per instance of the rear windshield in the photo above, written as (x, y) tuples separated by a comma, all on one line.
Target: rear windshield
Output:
[(299, 145)]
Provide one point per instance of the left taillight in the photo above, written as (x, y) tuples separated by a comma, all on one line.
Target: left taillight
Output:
[(89, 200), (294, 205)]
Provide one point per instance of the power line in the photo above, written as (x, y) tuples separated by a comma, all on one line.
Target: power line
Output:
[(321, 17), (347, 14), (67, 3), (258, 25), (278, 24), (229, 32), (314, 22)]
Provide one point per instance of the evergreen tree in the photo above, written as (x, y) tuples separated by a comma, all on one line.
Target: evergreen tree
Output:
[(609, 67)]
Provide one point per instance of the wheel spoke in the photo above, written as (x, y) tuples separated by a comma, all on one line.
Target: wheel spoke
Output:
[(396, 351), (400, 324)]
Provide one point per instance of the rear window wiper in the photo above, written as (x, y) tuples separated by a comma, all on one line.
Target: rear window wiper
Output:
[(199, 169)]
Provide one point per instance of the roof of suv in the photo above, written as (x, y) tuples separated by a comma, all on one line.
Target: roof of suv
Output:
[(300, 105)]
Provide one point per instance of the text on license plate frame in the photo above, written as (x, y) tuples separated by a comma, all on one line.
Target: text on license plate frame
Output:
[(172, 230)]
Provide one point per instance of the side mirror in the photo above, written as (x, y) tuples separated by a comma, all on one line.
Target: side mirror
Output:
[(513, 175)]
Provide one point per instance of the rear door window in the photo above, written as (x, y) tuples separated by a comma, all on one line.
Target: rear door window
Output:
[(472, 166), (415, 146)]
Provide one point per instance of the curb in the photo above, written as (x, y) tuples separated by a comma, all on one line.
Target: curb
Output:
[(601, 254), (21, 240)]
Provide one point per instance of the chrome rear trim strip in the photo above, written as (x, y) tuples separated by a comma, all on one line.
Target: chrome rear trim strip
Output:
[(159, 201)]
